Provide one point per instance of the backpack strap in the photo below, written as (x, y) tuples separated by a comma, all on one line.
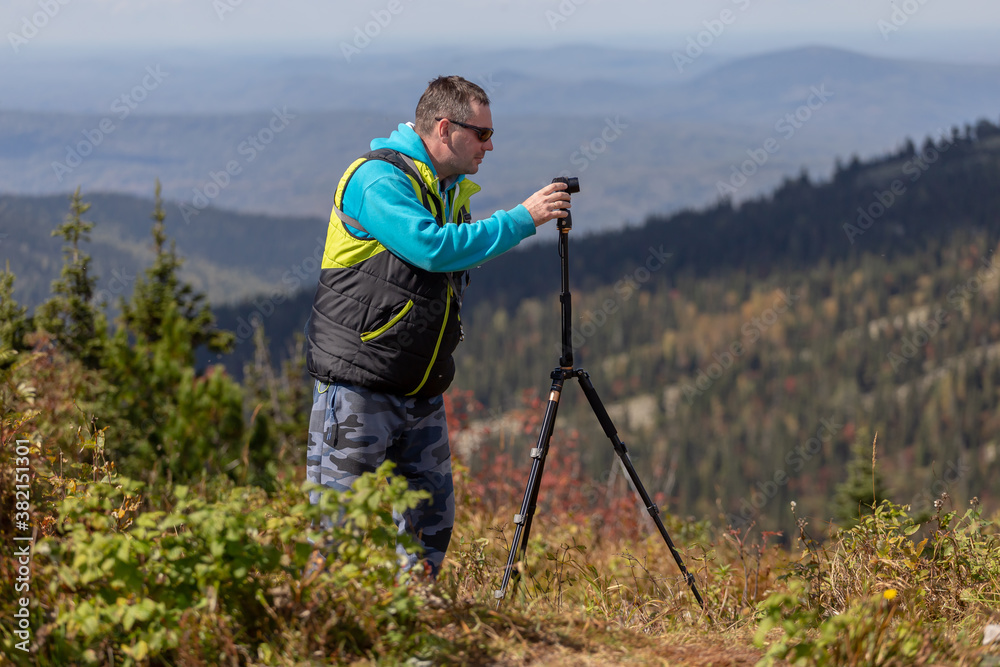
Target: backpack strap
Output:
[(406, 165)]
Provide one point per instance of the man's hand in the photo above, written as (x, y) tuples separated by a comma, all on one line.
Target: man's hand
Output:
[(548, 203)]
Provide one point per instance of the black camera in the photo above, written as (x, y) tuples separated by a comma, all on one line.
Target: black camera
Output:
[(572, 187), (572, 183)]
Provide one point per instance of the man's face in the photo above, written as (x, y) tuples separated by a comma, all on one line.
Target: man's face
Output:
[(466, 148)]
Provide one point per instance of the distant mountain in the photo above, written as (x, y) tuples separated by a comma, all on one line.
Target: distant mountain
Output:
[(889, 206), (748, 352), (228, 256), (207, 82), (644, 137), (864, 92)]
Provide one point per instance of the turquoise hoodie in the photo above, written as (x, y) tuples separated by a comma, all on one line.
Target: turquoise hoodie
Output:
[(382, 199)]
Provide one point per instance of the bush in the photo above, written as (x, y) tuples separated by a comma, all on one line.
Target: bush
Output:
[(213, 581)]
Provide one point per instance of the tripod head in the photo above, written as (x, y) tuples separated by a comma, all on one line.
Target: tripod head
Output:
[(572, 187)]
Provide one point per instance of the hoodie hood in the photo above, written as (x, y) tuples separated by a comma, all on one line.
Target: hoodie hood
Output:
[(406, 140)]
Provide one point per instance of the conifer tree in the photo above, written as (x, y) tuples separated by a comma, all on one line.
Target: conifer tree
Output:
[(145, 315), (279, 403), (14, 323), (180, 424), (864, 488), (70, 315)]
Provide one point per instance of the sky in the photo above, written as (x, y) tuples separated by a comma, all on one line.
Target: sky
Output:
[(952, 30)]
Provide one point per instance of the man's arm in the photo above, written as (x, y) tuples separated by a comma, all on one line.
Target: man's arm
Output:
[(389, 209)]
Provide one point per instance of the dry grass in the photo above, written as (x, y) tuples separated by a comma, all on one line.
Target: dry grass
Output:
[(601, 591)]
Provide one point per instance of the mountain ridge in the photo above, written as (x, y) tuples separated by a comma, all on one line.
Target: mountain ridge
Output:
[(683, 135)]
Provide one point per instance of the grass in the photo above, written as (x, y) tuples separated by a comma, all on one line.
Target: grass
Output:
[(214, 575)]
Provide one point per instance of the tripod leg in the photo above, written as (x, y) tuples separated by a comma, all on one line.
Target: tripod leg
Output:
[(622, 452), (522, 521)]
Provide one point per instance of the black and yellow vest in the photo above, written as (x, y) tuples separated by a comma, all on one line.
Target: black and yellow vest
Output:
[(377, 321)]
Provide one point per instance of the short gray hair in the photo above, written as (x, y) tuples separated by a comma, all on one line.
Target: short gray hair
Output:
[(448, 97)]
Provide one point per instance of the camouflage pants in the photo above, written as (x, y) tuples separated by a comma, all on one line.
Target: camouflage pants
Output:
[(353, 430)]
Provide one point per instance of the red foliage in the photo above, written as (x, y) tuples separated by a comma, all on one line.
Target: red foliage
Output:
[(496, 479)]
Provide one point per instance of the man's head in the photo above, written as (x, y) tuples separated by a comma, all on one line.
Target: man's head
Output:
[(451, 116)]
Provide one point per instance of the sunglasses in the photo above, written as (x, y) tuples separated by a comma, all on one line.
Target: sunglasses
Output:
[(484, 133)]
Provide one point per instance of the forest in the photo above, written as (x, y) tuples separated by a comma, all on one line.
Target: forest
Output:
[(804, 381)]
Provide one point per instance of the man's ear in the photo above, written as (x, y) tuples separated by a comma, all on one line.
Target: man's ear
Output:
[(442, 130)]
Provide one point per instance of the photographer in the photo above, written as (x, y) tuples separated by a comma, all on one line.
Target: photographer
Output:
[(385, 318)]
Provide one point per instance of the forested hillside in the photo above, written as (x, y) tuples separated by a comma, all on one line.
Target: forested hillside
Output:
[(748, 351), (777, 338)]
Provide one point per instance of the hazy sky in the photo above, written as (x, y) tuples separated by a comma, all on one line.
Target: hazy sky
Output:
[(958, 30)]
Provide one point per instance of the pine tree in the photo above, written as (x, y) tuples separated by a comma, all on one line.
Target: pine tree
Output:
[(14, 323), (864, 488), (177, 423), (70, 315), (279, 403), (145, 315), (13, 327)]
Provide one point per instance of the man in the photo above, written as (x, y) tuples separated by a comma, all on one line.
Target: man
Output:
[(385, 319)]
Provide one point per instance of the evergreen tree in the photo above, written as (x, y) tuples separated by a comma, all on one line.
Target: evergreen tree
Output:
[(178, 424), (70, 315), (14, 324), (13, 327), (279, 404), (864, 488), (145, 314)]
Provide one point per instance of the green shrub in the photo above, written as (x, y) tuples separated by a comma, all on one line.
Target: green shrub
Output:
[(863, 634), (221, 581)]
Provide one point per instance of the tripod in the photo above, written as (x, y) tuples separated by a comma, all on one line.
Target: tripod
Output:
[(565, 371)]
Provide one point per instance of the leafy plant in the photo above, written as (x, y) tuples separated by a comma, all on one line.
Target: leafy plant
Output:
[(889, 590), (222, 579), (863, 634)]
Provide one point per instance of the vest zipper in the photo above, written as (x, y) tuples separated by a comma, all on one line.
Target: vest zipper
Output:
[(437, 347), (371, 335)]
